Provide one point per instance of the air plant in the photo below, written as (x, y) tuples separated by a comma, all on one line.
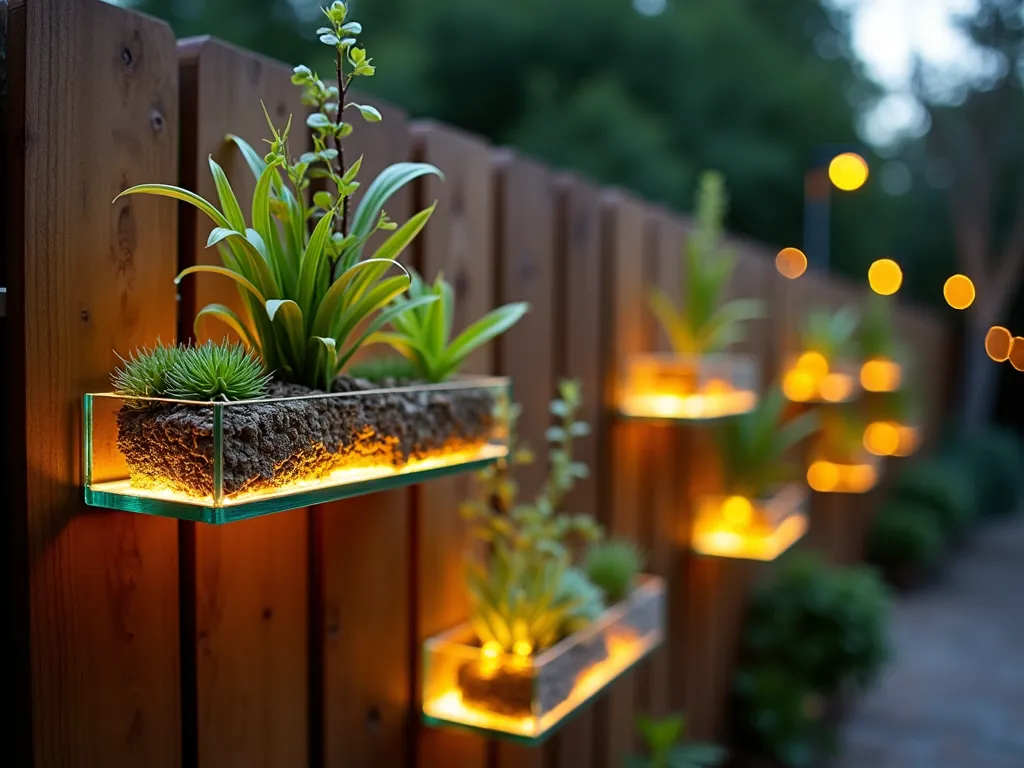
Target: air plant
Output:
[(705, 324), (144, 373), (311, 300)]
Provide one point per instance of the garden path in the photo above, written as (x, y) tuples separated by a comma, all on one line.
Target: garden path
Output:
[(953, 695)]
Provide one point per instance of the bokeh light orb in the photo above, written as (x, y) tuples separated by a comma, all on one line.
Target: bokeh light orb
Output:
[(959, 292), (1017, 353), (848, 171), (823, 476), (885, 277), (998, 341), (882, 438), (791, 263)]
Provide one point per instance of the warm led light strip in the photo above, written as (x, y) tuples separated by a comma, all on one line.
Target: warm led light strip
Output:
[(341, 476), (623, 652), (723, 543), (697, 406)]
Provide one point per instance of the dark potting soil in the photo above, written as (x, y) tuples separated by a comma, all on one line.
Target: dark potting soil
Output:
[(271, 444)]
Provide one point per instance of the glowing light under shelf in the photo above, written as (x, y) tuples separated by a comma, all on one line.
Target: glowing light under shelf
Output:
[(890, 438), (751, 530), (623, 652), (809, 378), (880, 375), (673, 387), (708, 405), (832, 477)]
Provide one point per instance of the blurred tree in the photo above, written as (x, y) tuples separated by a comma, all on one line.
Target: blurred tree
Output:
[(974, 140)]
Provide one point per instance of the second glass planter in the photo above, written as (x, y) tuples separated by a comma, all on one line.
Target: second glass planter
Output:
[(750, 529)]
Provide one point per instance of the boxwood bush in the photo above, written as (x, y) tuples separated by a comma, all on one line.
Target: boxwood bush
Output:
[(942, 487), (994, 457), (905, 540)]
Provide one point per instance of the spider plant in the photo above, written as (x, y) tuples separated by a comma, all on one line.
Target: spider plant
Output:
[(830, 334), (423, 334), (311, 300), (754, 446), (705, 324)]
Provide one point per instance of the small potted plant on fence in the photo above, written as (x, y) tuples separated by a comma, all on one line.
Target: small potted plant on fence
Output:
[(889, 399), (556, 613), (813, 636), (762, 510), (838, 461), (824, 369), (697, 381), (221, 431)]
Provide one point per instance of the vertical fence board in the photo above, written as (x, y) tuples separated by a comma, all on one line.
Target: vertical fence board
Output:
[(459, 241), (250, 579), (93, 109), (363, 563), (524, 237), (578, 356), (623, 242)]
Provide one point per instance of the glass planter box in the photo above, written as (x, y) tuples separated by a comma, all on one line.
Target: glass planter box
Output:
[(880, 374), (526, 699), (843, 477), (668, 387), (216, 462), (759, 529), (810, 379), (891, 438)]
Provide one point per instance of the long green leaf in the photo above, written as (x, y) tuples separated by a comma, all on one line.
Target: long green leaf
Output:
[(228, 201), (166, 190), (258, 271), (252, 158), (378, 322), (231, 274), (401, 237), (390, 180), (378, 297), (264, 225), (227, 316), (311, 259), (286, 315), (335, 298), (325, 360), (494, 323), (674, 324)]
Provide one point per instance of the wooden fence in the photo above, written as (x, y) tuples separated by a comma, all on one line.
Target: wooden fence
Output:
[(294, 639)]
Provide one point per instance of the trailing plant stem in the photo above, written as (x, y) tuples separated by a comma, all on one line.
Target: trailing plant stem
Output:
[(339, 144)]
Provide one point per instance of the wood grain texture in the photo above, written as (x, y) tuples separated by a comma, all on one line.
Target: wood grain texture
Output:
[(250, 578), (524, 237), (364, 550), (578, 355), (93, 109), (623, 243), (458, 241)]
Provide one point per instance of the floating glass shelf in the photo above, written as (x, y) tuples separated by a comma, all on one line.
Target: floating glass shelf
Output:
[(667, 387), (218, 462), (843, 477), (527, 698), (762, 529), (810, 379)]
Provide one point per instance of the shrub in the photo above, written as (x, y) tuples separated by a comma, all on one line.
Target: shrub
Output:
[(663, 748), (942, 487), (613, 566), (905, 536), (994, 456)]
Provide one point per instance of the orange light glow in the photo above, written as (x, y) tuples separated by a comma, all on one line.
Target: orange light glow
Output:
[(813, 363), (848, 171), (909, 440), (829, 477), (882, 438), (998, 342), (674, 388), (885, 277), (799, 386), (752, 530), (880, 375), (959, 292), (836, 388), (791, 263), (1017, 353)]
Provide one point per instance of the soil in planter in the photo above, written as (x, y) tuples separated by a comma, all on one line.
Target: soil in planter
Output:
[(269, 445), (511, 692)]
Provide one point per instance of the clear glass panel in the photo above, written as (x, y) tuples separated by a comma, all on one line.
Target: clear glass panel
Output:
[(669, 387), (527, 698), (808, 378), (218, 462), (751, 529)]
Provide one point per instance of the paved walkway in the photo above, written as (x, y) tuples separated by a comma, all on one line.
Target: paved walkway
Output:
[(953, 696)]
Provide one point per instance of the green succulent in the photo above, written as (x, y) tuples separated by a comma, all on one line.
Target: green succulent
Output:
[(613, 566), (830, 334), (223, 371), (704, 324), (586, 601), (515, 592), (424, 333), (311, 300), (144, 373), (754, 446), (663, 748)]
